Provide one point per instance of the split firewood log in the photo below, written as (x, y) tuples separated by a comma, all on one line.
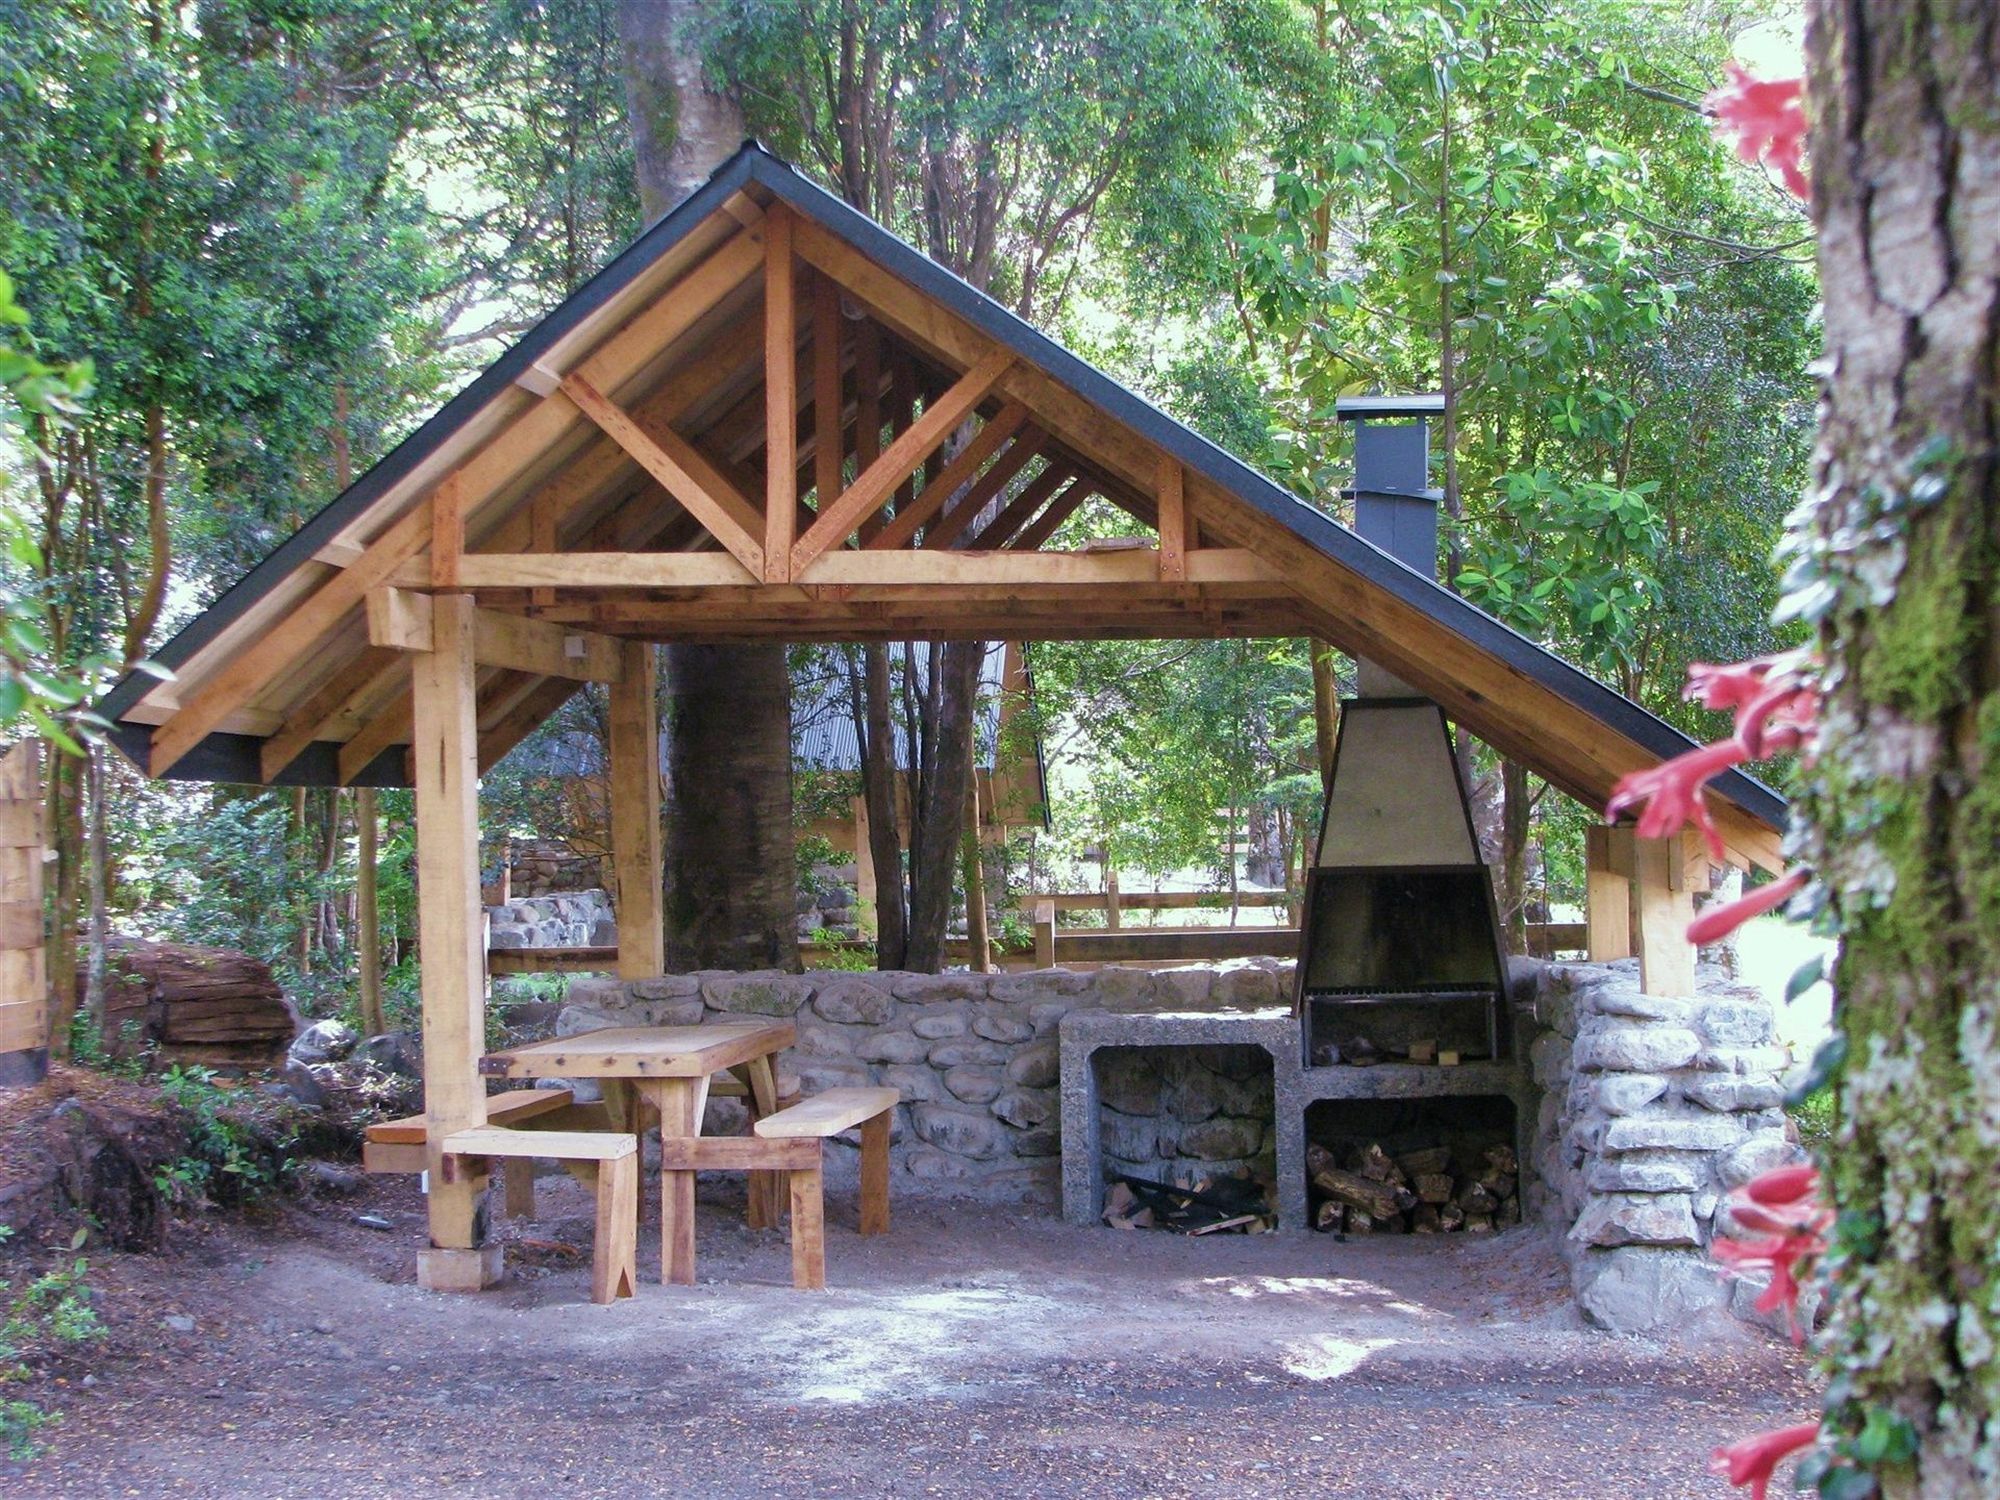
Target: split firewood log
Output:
[(1475, 1199), (1509, 1212), (1359, 1222), (1502, 1159), (1450, 1216), (1424, 1219), (1373, 1163), (1431, 1159), (1433, 1187), (1374, 1198), (1332, 1217), (1478, 1224)]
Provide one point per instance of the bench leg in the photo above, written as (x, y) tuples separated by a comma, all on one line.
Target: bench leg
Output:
[(518, 1174), (875, 1175), (808, 1230), (614, 1261), (766, 1189)]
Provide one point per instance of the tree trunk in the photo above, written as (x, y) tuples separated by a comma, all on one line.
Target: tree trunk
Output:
[(878, 785), (1326, 710), (1515, 806), (1904, 99), (731, 885), (367, 912), (947, 785), (65, 825)]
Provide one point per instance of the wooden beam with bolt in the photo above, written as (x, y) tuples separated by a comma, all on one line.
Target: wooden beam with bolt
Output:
[(401, 620)]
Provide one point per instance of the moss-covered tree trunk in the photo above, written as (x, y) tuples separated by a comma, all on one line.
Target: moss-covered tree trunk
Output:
[(731, 885), (1905, 154)]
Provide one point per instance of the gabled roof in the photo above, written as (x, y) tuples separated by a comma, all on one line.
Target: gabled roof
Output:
[(667, 351)]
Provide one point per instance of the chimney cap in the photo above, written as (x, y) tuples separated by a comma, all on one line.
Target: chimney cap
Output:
[(1372, 408)]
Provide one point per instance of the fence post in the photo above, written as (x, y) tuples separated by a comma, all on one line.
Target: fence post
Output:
[(1045, 934)]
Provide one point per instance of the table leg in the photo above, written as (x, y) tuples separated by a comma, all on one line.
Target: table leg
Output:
[(680, 1102), (767, 1189)]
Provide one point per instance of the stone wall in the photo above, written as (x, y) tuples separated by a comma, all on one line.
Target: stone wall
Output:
[(975, 1056), (578, 919), (1652, 1109)]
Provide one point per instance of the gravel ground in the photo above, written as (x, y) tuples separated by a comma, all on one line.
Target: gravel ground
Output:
[(972, 1351)]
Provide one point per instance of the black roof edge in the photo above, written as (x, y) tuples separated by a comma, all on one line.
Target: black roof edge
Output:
[(1467, 620), (232, 757), (391, 468)]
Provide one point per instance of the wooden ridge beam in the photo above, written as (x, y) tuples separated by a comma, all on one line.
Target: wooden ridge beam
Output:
[(682, 471), (400, 620), (874, 485)]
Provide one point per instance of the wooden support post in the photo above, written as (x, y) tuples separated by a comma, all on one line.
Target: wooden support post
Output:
[(781, 403), (1607, 875), (446, 756), (1111, 912), (1662, 907), (368, 912), (635, 816), (517, 1174), (1045, 934)]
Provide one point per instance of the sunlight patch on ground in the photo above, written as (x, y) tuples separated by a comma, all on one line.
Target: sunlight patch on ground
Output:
[(1327, 1357), (900, 1344), (1293, 1286)]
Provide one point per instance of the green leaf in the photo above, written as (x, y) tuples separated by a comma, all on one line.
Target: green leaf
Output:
[(1823, 1069), (1805, 976)]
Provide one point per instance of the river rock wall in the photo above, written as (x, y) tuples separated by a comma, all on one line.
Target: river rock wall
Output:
[(1653, 1108)]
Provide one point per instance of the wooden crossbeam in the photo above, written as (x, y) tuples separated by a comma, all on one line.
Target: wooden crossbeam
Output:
[(684, 473), (873, 486), (401, 620), (1010, 419), (781, 401)]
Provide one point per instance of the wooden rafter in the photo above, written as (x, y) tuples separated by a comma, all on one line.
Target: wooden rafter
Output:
[(682, 471), (1037, 532), (310, 720), (964, 465), (873, 486), (1016, 514), (942, 530)]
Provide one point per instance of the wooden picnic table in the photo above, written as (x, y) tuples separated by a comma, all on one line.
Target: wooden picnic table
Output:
[(667, 1068)]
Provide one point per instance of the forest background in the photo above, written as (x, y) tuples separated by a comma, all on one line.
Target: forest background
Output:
[(282, 234)]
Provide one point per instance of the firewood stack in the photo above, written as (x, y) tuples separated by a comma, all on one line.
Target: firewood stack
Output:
[(1433, 1190), (196, 1005), (1240, 1203)]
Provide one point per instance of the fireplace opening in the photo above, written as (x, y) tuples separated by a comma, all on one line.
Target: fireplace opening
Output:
[(1413, 1166), (1188, 1138)]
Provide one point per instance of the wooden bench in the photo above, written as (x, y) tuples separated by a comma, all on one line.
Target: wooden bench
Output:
[(792, 1141), (615, 1255), (398, 1146)]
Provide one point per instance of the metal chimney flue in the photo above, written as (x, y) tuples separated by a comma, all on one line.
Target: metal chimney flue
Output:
[(1399, 943)]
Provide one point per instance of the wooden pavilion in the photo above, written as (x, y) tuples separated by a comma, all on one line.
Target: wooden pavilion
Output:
[(692, 448)]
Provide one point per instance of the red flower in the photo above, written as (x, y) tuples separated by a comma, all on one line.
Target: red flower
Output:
[(1752, 1460), (1718, 921), (1672, 792), (1766, 119), (1784, 1207), (1774, 702)]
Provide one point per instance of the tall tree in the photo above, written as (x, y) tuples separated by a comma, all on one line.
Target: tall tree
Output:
[(730, 897), (1899, 563)]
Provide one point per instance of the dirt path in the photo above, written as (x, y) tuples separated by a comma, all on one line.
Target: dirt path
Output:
[(972, 1352)]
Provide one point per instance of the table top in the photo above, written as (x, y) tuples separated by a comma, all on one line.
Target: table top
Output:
[(643, 1051)]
